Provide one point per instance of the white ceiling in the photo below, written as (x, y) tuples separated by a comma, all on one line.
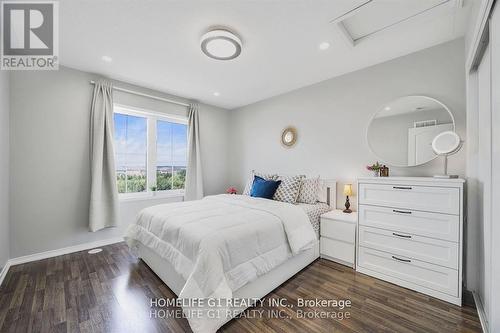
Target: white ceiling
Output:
[(155, 43)]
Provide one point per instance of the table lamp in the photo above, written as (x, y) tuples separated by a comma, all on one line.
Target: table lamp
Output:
[(347, 193)]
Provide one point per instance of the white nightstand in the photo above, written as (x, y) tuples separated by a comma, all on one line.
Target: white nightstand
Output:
[(338, 237)]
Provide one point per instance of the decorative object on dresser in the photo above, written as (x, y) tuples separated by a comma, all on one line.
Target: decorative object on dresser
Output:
[(347, 193), (446, 144), (375, 168), (410, 232), (338, 237), (384, 171)]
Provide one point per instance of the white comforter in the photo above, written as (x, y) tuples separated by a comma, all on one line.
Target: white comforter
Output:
[(222, 242)]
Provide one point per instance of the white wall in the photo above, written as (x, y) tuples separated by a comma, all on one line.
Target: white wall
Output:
[(4, 167), (50, 158), (332, 117)]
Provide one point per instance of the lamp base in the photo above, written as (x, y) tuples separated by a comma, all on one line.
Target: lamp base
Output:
[(347, 205)]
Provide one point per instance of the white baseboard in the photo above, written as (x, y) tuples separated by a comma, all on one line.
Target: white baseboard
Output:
[(4, 271), (55, 253), (480, 312)]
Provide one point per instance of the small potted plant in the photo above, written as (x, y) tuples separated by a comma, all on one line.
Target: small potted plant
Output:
[(375, 168), (153, 189), (231, 190)]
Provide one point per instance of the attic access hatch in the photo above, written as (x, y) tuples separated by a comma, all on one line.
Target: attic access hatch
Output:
[(372, 17)]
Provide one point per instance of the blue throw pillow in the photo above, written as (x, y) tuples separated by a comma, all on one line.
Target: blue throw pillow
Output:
[(262, 188)]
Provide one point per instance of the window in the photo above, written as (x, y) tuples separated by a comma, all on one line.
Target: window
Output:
[(151, 151), (171, 150), (131, 153)]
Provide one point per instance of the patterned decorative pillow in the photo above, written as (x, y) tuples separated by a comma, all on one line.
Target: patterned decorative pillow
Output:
[(289, 189), (309, 191), (265, 176)]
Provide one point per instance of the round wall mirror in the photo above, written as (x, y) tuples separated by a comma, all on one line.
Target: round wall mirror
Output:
[(289, 136), (401, 132)]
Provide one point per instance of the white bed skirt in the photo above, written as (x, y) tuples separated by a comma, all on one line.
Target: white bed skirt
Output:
[(255, 289)]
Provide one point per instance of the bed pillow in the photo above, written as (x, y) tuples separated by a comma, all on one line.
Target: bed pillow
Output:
[(265, 176), (262, 188), (288, 191), (309, 191)]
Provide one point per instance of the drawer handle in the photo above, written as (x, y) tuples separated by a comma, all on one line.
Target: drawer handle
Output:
[(402, 187), (399, 235), (401, 211), (399, 259)]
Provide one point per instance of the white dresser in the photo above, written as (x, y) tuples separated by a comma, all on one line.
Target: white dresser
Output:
[(410, 232), (338, 237)]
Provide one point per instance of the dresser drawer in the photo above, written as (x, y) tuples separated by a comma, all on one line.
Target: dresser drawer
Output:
[(438, 278), (441, 226), (338, 230), (337, 249), (425, 198), (433, 251)]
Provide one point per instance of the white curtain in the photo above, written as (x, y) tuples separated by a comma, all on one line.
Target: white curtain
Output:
[(194, 179), (103, 211)]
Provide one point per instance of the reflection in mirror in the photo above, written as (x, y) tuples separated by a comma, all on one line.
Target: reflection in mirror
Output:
[(401, 133)]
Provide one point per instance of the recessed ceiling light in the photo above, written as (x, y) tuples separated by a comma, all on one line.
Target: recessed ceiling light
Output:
[(107, 58), (221, 44), (324, 46), (387, 108), (216, 93)]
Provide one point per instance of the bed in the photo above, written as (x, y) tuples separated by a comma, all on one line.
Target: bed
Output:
[(227, 247)]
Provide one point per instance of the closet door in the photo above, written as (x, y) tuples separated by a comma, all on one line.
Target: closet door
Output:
[(484, 176), (494, 321)]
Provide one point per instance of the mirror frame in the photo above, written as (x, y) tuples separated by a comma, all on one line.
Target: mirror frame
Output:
[(456, 148), (289, 129), (382, 107)]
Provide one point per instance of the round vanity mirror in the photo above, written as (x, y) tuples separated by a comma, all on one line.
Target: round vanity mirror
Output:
[(401, 132), (289, 136), (446, 143)]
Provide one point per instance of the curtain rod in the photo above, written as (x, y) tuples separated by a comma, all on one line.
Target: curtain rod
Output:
[(146, 95)]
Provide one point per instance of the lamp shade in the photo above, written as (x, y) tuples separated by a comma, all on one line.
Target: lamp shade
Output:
[(348, 189)]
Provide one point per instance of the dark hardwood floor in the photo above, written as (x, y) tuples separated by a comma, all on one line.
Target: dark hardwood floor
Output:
[(111, 292)]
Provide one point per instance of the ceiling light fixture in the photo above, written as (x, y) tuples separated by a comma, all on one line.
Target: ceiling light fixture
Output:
[(216, 93), (221, 44), (387, 108), (107, 58), (324, 46)]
